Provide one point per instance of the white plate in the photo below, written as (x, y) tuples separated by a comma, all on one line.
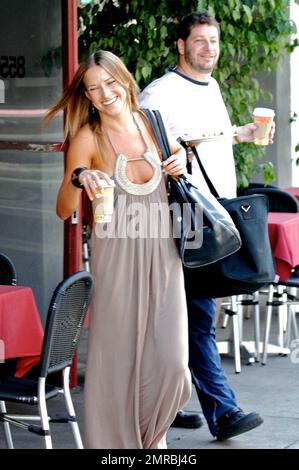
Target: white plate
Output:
[(211, 138)]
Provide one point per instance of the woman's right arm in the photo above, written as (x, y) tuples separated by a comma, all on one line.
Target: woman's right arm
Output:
[(79, 155), (82, 153)]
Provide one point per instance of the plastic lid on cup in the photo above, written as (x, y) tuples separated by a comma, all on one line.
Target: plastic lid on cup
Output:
[(263, 112)]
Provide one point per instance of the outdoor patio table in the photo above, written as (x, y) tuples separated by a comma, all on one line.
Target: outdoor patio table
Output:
[(21, 332), (284, 238), (294, 191)]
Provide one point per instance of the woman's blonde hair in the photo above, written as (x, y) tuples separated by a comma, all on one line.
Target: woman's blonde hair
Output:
[(79, 110)]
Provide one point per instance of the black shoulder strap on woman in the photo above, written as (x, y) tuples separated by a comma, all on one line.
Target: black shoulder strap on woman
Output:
[(162, 131), (162, 142)]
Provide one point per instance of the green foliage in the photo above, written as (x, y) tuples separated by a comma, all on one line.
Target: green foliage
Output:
[(293, 118), (254, 36), (142, 33)]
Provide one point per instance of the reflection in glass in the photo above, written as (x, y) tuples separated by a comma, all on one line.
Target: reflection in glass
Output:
[(30, 68)]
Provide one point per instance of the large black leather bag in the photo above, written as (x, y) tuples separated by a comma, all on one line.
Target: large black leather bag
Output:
[(251, 267), (204, 233), (202, 228)]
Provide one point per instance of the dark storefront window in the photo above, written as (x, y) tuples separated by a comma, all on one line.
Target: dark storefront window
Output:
[(30, 82)]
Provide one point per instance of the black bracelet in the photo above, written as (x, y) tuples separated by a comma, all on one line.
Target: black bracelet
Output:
[(75, 177)]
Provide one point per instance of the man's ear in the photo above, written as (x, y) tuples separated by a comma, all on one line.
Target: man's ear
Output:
[(181, 46)]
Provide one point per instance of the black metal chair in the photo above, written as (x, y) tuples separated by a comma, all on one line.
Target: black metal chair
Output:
[(65, 318), (256, 184), (278, 296), (8, 274), (282, 297), (279, 200)]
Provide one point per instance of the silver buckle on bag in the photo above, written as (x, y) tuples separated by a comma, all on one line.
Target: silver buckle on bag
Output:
[(246, 208)]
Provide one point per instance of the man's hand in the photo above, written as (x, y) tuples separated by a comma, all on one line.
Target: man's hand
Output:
[(246, 133)]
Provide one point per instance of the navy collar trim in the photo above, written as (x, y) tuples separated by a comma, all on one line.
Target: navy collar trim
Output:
[(174, 70)]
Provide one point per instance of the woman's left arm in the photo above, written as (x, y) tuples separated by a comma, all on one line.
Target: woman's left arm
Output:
[(175, 165)]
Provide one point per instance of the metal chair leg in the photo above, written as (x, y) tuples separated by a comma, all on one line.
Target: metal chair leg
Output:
[(257, 328), (282, 321), (43, 413), (7, 432), (225, 321), (240, 314), (236, 336), (268, 323), (294, 322), (70, 408), (291, 325)]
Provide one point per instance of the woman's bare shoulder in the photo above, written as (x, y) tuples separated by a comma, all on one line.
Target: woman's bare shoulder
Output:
[(84, 135), (84, 140)]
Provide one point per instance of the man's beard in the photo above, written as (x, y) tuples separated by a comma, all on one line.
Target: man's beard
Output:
[(208, 69)]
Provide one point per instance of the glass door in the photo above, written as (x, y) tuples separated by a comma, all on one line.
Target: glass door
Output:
[(31, 80)]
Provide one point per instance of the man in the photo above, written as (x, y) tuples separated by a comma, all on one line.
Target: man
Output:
[(190, 101)]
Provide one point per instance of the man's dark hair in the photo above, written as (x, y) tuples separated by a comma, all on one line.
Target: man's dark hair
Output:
[(195, 18)]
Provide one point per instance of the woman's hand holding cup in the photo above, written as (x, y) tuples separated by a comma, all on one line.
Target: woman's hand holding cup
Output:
[(94, 182), (100, 190)]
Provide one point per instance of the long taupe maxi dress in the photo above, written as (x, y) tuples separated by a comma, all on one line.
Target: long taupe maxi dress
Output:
[(137, 375)]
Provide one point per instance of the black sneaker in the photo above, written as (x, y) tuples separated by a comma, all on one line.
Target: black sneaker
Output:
[(187, 420), (236, 422)]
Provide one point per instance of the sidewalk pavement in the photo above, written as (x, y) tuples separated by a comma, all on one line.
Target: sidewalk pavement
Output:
[(271, 390)]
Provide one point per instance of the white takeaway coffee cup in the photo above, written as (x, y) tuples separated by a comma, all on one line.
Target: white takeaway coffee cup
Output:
[(263, 118), (103, 204)]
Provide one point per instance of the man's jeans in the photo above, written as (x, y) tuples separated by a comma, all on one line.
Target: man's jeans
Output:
[(215, 395)]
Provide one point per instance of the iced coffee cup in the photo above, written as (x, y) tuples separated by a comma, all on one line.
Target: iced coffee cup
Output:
[(263, 118), (102, 205)]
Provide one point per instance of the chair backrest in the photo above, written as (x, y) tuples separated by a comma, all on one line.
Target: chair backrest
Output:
[(8, 274), (279, 200), (65, 318), (255, 184)]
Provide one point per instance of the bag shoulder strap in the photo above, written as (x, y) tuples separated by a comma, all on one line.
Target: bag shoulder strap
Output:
[(159, 130), (162, 130), (204, 173), (161, 138)]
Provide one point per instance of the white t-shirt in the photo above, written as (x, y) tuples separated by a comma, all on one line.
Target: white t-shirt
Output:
[(196, 109)]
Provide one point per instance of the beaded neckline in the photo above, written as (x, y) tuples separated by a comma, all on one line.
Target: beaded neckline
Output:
[(139, 189), (120, 173)]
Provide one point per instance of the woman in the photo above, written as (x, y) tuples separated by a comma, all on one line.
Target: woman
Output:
[(137, 373)]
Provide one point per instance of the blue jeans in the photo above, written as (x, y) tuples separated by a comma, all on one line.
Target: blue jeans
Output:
[(215, 395)]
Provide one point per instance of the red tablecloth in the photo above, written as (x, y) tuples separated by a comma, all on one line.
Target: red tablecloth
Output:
[(294, 191), (21, 332), (284, 238)]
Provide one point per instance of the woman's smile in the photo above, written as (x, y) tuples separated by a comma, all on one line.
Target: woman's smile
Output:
[(109, 101)]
